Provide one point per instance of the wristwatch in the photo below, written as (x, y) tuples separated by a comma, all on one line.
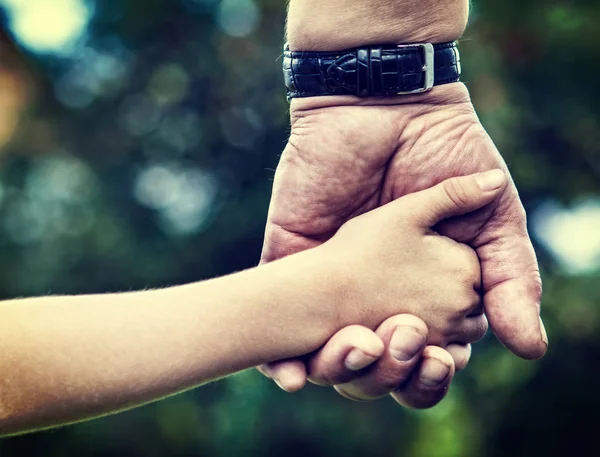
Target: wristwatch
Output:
[(372, 71)]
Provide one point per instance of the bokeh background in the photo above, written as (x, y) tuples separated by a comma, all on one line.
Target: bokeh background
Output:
[(138, 142)]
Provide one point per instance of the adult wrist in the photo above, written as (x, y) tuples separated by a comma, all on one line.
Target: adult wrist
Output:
[(321, 25), (455, 94)]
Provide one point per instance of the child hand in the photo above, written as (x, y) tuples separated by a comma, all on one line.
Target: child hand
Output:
[(389, 261)]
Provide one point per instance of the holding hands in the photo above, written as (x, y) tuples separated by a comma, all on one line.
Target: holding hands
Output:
[(347, 156), (387, 271), (394, 234), (393, 262), (396, 264)]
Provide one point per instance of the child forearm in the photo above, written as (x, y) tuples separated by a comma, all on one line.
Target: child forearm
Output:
[(64, 359)]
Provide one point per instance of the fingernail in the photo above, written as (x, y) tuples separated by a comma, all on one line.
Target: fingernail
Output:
[(406, 343), (433, 372), (285, 380), (276, 381), (543, 331), (490, 180), (357, 360)]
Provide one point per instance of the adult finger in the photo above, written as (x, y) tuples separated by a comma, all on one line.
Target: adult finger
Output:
[(429, 384), (404, 337), (289, 375), (511, 281), (345, 356), (461, 354), (471, 330)]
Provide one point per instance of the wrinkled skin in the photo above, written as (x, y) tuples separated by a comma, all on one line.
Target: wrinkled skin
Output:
[(350, 157)]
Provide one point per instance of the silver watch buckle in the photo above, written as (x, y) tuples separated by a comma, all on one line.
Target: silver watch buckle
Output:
[(428, 54)]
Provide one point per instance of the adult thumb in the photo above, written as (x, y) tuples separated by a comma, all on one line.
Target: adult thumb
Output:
[(455, 197)]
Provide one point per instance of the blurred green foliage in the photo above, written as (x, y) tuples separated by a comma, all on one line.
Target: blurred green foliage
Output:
[(146, 159)]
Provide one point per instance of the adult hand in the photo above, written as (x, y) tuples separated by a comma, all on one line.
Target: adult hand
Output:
[(364, 365), (346, 156)]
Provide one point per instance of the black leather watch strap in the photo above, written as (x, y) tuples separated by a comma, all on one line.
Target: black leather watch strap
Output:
[(371, 71)]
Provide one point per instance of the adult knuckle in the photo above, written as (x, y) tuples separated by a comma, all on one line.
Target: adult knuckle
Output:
[(456, 192), (536, 286)]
